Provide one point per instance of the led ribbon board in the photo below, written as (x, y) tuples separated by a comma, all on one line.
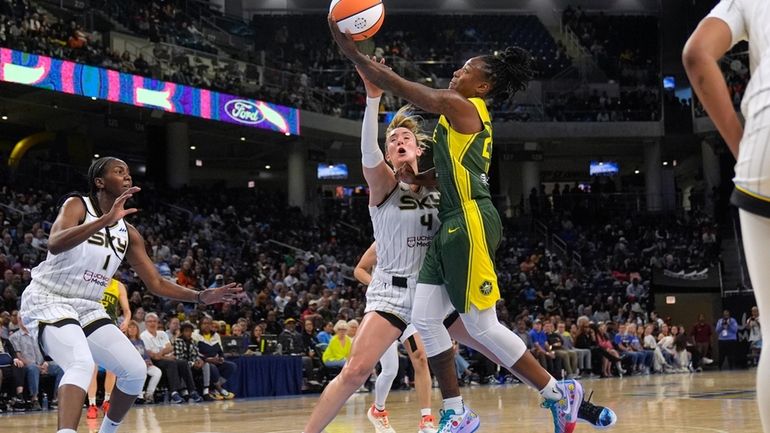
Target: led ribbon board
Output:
[(91, 81)]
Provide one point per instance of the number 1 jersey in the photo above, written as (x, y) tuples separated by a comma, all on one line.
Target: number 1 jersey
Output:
[(84, 271)]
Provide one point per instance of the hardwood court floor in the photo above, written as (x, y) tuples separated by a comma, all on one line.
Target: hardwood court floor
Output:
[(707, 402)]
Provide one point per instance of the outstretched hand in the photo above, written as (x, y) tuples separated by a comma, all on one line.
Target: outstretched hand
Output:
[(372, 91), (118, 211), (343, 40), (227, 294)]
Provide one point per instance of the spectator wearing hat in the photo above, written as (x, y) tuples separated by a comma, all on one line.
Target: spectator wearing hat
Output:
[(219, 281)]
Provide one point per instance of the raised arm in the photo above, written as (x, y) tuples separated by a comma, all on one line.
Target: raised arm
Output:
[(379, 176), (363, 270), (706, 46), (67, 231), (460, 112), (141, 263)]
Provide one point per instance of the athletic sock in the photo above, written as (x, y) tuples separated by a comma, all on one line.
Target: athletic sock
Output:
[(205, 390), (551, 391), (455, 404), (92, 401), (425, 411), (106, 396), (379, 408), (109, 426), (66, 430)]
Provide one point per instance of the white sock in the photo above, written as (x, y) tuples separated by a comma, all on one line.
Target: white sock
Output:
[(92, 401), (109, 426), (66, 430), (455, 404), (425, 411), (106, 396), (205, 390), (551, 391)]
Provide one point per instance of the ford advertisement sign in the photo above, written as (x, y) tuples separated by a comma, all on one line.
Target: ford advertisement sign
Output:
[(94, 82)]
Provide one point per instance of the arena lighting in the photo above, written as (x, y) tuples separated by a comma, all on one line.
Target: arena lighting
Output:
[(192, 148), (636, 171), (199, 163), (4, 117), (267, 167), (96, 155), (100, 83), (243, 138), (665, 162)]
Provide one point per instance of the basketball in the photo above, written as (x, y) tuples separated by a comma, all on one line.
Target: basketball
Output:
[(363, 18)]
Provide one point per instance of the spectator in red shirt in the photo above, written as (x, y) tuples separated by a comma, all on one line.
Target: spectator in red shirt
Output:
[(702, 333)]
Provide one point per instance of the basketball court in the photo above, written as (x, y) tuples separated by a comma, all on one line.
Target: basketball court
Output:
[(682, 403)]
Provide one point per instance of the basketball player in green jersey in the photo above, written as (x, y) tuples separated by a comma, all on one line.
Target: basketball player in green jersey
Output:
[(458, 272)]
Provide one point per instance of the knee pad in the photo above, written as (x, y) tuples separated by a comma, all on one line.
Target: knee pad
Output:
[(78, 372), (131, 379), (484, 327)]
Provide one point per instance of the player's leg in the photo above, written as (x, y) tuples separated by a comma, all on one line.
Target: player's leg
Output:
[(756, 231), (422, 383), (92, 411), (374, 337), (377, 414), (109, 385), (66, 344), (432, 304), (112, 349)]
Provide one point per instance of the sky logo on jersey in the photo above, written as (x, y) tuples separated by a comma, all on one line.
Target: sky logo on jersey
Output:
[(96, 278), (418, 241)]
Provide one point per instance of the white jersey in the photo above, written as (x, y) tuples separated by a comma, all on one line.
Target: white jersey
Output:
[(404, 226), (748, 21), (84, 271)]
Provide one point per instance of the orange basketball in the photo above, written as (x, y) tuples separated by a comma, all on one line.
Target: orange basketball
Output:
[(363, 18)]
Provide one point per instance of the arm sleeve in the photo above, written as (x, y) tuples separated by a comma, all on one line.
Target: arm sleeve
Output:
[(371, 155), (731, 12)]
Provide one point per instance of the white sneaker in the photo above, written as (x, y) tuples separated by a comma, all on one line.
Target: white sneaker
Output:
[(379, 420), (707, 361)]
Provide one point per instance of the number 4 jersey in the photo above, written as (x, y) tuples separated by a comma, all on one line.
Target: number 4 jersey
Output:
[(404, 226), (84, 271)]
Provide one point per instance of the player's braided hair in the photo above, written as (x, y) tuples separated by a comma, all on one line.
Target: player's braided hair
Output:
[(405, 118), (509, 72)]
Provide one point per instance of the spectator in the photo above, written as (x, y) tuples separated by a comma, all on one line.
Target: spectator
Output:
[(583, 355), (540, 348), (702, 334), (210, 347), (28, 351), (352, 328), (555, 343), (338, 350), (161, 352), (609, 354), (152, 371), (755, 335), (186, 349), (727, 335), (326, 335), (173, 329), (14, 374)]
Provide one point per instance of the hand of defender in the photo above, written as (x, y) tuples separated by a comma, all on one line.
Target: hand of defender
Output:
[(118, 211), (343, 40), (226, 294), (406, 174), (372, 90)]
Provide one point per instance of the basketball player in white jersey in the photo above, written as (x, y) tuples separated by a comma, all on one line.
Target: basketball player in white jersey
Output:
[(62, 308), (364, 273), (404, 219), (730, 22)]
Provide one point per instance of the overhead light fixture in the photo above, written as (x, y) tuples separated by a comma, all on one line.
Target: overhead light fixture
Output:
[(243, 138), (251, 184), (601, 163), (665, 162), (192, 148), (636, 171), (96, 155), (4, 116), (199, 163), (267, 167), (93, 98)]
